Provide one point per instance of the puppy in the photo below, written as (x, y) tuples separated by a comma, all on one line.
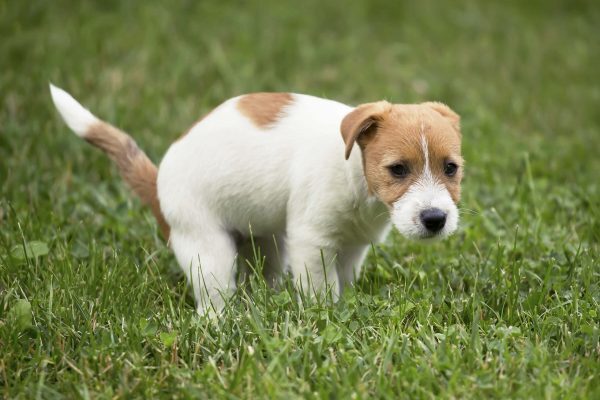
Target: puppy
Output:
[(312, 182)]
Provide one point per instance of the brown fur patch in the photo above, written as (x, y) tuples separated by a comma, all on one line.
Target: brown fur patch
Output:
[(135, 167), (264, 109), (446, 112), (361, 121), (397, 139)]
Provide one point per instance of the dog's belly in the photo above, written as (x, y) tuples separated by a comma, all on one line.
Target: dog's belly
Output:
[(247, 202)]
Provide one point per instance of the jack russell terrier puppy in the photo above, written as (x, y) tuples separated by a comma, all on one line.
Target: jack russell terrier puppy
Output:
[(313, 181)]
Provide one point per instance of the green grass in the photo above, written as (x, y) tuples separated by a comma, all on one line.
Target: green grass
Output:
[(508, 307)]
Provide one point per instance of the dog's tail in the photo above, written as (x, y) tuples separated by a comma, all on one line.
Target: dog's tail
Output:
[(135, 167)]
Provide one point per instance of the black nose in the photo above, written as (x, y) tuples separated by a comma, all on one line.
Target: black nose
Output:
[(434, 219)]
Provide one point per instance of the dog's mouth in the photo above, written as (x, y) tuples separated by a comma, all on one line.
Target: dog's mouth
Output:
[(422, 235), (430, 235)]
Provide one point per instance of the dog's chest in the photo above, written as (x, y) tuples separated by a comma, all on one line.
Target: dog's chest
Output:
[(367, 222)]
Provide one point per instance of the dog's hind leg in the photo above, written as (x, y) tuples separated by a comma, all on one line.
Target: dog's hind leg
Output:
[(208, 258)]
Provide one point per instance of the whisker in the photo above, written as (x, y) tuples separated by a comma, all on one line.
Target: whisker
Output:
[(463, 210), (381, 214)]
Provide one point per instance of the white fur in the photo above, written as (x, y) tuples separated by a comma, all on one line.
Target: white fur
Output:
[(290, 181), (74, 114), (425, 193)]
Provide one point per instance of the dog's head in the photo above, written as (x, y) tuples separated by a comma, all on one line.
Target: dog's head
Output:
[(412, 162)]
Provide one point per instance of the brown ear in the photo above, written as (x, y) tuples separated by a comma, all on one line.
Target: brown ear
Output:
[(446, 112), (361, 120)]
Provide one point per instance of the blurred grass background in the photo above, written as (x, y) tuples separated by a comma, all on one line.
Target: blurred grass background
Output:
[(506, 308)]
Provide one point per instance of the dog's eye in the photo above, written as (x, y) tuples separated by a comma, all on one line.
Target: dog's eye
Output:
[(399, 170), (450, 169)]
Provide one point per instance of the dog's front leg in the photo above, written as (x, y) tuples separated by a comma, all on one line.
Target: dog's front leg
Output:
[(350, 260), (313, 266)]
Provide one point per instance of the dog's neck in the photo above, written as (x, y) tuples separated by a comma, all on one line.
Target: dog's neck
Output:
[(358, 181), (371, 218)]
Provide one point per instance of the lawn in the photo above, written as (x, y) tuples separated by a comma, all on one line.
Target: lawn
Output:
[(92, 304)]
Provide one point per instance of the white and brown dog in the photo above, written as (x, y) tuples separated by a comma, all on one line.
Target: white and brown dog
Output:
[(274, 166)]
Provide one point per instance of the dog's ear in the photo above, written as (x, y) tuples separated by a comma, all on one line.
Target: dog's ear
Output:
[(362, 121), (447, 113)]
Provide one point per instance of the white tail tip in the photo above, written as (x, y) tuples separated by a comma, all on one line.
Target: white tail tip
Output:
[(74, 114)]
